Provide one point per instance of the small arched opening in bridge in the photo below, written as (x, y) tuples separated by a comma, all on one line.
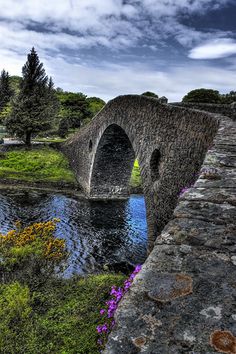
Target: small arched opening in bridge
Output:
[(113, 164), (155, 165)]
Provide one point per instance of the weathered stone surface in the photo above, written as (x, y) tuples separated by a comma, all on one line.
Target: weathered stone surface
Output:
[(200, 243), (228, 110), (169, 142)]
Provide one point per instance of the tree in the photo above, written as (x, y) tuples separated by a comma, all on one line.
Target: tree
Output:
[(63, 128), (95, 105), (6, 91), (150, 94), (74, 109), (36, 105), (202, 96), (228, 97)]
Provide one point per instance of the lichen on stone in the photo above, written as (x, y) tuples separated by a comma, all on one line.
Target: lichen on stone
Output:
[(223, 341)]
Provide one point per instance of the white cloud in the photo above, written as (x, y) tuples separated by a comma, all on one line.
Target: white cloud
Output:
[(110, 80), (77, 24), (95, 21), (218, 48)]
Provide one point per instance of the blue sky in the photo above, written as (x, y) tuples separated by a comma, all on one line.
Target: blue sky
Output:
[(106, 48)]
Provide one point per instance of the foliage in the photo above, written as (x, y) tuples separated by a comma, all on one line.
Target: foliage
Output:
[(74, 108), (36, 165), (150, 94), (135, 180), (5, 112), (36, 104), (111, 306), (95, 105), (59, 317), (15, 317), (6, 91), (54, 316), (31, 254), (15, 83), (202, 96), (228, 98)]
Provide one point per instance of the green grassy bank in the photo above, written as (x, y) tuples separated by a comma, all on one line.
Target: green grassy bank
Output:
[(36, 165), (40, 312), (44, 165), (135, 181), (59, 318)]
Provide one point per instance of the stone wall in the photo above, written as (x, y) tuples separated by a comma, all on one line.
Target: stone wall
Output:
[(169, 142), (184, 299), (228, 110)]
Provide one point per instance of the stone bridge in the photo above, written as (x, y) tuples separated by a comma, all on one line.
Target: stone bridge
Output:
[(169, 142), (184, 299)]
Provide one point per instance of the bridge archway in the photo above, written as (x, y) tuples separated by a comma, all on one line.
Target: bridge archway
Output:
[(113, 163)]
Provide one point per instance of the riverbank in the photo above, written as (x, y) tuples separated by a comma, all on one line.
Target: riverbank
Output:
[(44, 167), (60, 317), (41, 312), (35, 166)]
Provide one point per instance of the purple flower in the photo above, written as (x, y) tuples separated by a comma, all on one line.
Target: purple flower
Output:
[(112, 304), (185, 189), (113, 290), (100, 342), (137, 268), (99, 329), (104, 328), (127, 284)]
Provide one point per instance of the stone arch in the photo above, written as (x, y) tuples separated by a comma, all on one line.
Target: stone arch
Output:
[(113, 163), (135, 126)]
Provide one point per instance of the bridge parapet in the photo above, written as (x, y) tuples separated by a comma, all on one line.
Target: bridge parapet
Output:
[(183, 300)]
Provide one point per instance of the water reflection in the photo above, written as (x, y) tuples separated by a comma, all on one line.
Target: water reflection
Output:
[(96, 232)]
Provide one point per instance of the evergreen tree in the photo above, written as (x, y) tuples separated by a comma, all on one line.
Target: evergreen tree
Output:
[(36, 105), (5, 89)]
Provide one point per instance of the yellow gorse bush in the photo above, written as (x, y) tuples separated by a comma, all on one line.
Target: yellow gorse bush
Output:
[(40, 235)]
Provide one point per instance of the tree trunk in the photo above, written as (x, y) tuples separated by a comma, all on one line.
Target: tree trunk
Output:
[(28, 139)]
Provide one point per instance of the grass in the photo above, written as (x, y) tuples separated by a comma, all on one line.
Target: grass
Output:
[(135, 180), (36, 165), (50, 140), (60, 318), (45, 165)]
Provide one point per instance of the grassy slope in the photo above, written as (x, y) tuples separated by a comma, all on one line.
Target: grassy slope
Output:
[(44, 165), (39, 165), (135, 180), (60, 319)]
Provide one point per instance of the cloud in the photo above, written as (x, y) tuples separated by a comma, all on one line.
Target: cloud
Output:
[(115, 23), (67, 33), (218, 48)]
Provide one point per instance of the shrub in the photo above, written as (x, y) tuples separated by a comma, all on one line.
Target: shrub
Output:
[(202, 96), (31, 254)]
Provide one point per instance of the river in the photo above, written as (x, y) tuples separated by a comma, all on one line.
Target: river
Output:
[(97, 232)]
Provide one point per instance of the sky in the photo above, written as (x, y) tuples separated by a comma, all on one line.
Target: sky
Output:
[(107, 48)]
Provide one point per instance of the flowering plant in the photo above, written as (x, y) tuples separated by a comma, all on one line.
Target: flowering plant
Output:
[(108, 312)]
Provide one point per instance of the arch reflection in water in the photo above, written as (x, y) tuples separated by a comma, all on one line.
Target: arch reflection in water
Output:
[(97, 232)]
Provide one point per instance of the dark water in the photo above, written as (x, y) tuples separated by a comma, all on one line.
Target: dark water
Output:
[(96, 232)]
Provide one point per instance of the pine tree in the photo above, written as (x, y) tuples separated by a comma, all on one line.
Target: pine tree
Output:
[(36, 105), (5, 89)]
